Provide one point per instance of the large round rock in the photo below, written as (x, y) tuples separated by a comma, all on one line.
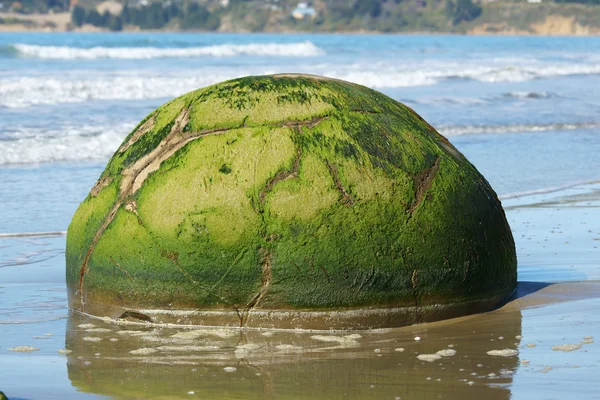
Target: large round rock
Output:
[(288, 201)]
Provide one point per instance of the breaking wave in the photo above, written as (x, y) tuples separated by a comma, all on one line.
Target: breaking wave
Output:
[(36, 147), (129, 85), (30, 91), (300, 49), (460, 130)]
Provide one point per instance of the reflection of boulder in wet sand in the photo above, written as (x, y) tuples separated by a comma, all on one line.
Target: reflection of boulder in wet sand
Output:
[(288, 201), (298, 365)]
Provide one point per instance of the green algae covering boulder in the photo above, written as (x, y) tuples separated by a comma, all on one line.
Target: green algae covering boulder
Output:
[(288, 201)]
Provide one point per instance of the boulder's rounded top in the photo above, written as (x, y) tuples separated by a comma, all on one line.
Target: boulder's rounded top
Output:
[(282, 100)]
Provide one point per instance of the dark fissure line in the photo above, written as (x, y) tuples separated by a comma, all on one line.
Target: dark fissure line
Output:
[(177, 129), (346, 198), (424, 183)]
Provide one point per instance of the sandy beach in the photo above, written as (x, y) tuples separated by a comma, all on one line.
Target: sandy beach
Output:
[(543, 344)]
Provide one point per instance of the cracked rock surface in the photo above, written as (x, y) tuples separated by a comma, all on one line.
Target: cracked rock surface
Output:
[(288, 201)]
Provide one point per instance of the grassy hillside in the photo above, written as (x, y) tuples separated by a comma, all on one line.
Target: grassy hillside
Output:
[(436, 16)]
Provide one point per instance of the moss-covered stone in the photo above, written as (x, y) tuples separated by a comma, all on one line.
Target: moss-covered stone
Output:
[(289, 201)]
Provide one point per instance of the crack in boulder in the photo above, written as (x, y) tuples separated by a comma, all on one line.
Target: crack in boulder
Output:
[(121, 268), (346, 199), (131, 206), (266, 283), (414, 281), (281, 176), (422, 183), (142, 130), (100, 184), (134, 176)]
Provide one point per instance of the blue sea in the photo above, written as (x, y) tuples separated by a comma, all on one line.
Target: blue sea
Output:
[(524, 110)]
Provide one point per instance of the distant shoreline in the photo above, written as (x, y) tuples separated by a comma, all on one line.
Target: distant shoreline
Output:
[(554, 25)]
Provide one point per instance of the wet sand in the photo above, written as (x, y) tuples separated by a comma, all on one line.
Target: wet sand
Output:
[(542, 344)]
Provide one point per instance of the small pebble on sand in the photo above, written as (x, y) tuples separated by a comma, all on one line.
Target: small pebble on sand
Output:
[(417, 338), (86, 326), (64, 351), (399, 349), (91, 339), (230, 369)]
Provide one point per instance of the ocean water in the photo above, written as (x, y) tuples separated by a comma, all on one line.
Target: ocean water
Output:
[(524, 110)]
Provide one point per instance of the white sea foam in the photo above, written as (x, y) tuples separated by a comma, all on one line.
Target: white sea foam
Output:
[(405, 75), (27, 91), (300, 49), (33, 149), (517, 128), (31, 91)]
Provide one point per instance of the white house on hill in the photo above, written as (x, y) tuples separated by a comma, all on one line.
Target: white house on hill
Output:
[(303, 10)]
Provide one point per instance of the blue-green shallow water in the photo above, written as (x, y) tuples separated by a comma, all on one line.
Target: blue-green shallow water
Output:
[(525, 111)]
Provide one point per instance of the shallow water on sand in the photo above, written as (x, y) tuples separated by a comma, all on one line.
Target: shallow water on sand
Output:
[(542, 344)]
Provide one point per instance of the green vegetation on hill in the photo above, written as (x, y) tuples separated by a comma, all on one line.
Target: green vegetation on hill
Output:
[(333, 15), (450, 16)]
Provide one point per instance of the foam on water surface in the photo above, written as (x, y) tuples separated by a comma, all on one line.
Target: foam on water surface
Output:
[(24, 349), (503, 353), (567, 347), (301, 49)]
